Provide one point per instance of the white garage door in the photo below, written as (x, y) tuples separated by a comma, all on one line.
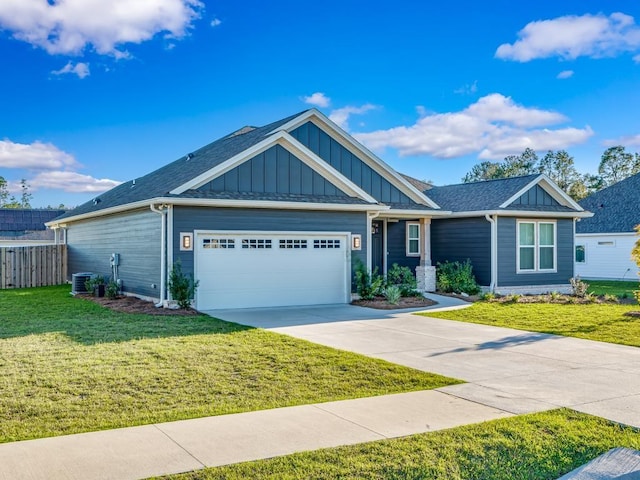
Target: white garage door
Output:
[(271, 269)]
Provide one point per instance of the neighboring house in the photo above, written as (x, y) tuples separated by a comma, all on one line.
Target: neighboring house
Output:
[(275, 215), (26, 226), (604, 242), (517, 232)]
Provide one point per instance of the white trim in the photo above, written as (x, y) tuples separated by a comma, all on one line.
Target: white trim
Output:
[(364, 154), (521, 213), (622, 234), (289, 143), (536, 246), (556, 193), (401, 213), (408, 238)]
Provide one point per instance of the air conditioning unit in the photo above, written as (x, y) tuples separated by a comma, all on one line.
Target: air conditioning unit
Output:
[(77, 282)]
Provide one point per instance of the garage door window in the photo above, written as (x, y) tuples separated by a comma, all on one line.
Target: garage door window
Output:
[(218, 243), (256, 243), (293, 243), (326, 243)]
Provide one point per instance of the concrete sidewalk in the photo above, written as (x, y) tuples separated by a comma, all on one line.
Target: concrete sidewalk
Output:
[(165, 448)]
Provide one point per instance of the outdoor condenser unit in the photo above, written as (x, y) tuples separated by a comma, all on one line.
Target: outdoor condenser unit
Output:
[(77, 282)]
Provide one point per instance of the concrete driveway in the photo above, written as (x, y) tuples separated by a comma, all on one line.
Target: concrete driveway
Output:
[(512, 370)]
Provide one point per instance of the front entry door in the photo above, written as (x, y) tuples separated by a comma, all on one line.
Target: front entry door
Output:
[(377, 248)]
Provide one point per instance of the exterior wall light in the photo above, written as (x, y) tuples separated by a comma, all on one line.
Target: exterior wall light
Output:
[(186, 241), (356, 242)]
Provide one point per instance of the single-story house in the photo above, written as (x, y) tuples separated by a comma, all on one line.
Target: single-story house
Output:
[(281, 214), (604, 241), (26, 226)]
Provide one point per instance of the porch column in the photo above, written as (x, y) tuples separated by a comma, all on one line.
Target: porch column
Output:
[(425, 272)]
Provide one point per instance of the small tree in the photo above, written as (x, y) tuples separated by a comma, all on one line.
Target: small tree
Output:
[(182, 287)]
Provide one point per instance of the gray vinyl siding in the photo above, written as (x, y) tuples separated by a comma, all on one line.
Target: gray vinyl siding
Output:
[(537, 196), (189, 219), (134, 235), (320, 143), (274, 171), (397, 246), (459, 239), (507, 256)]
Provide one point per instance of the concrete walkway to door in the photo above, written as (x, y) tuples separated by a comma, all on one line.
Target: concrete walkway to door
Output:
[(512, 370)]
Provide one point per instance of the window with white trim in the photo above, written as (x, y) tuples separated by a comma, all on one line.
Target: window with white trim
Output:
[(581, 254), (536, 246), (413, 239), (293, 244), (326, 243), (218, 243), (256, 243)]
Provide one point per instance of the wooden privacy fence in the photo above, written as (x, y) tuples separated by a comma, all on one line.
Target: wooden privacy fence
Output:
[(33, 266)]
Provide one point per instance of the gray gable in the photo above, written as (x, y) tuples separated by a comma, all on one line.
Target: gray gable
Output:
[(160, 182), (330, 150), (616, 208), (274, 171), (490, 194)]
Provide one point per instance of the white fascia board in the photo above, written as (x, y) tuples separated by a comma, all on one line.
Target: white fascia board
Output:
[(100, 213), (552, 189), (272, 204), (608, 234), (401, 213), (521, 213), (363, 153)]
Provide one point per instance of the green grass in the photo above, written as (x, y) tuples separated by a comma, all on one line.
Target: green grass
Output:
[(603, 322), (530, 447), (612, 287), (68, 365)]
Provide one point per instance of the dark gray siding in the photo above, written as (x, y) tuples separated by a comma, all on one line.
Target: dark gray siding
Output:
[(507, 252), (188, 219), (134, 235), (459, 239), (348, 164), (536, 195), (397, 246), (273, 171)]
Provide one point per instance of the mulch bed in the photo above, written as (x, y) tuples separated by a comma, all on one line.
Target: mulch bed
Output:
[(127, 304), (405, 302)]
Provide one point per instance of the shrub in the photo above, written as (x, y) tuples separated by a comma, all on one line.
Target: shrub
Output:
[(488, 296), (607, 297), (555, 296), (578, 287), (182, 287), (392, 293), (456, 277), (111, 290), (92, 283), (368, 285), (591, 297), (404, 279)]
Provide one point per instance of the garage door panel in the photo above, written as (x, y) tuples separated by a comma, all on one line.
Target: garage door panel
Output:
[(270, 269)]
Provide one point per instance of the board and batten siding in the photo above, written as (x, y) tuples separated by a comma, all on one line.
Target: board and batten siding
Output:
[(607, 256), (189, 219), (459, 239), (536, 196), (332, 152), (508, 251), (274, 171), (133, 235)]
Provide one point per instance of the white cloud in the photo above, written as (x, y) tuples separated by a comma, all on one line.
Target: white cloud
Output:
[(80, 69), (467, 89), (341, 115), (71, 182), (37, 155), (565, 74), (492, 127), (70, 26), (216, 22), (317, 99), (572, 36), (636, 58), (627, 141)]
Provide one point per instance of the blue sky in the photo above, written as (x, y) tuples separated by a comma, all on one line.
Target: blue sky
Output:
[(93, 92)]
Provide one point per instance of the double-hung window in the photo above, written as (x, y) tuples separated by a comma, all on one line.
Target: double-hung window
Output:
[(536, 246), (413, 239)]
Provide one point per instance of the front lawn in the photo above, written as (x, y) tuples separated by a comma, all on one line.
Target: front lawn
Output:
[(612, 287), (68, 365), (603, 322), (530, 447)]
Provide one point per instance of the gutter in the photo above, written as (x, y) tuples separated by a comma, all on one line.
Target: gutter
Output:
[(493, 220), (162, 210)]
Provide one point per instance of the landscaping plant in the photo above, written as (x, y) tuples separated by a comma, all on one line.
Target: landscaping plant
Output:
[(578, 287), (392, 293), (404, 279), (635, 254), (368, 286), (182, 287), (456, 277)]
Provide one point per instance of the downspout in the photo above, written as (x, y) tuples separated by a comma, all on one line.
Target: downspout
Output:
[(370, 217), (494, 250), (163, 250)]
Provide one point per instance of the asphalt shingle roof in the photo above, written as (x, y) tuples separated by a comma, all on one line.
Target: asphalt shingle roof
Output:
[(160, 182), (476, 196), (20, 220), (616, 208)]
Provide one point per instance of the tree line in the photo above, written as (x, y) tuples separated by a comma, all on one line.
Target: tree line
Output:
[(10, 201), (616, 164)]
